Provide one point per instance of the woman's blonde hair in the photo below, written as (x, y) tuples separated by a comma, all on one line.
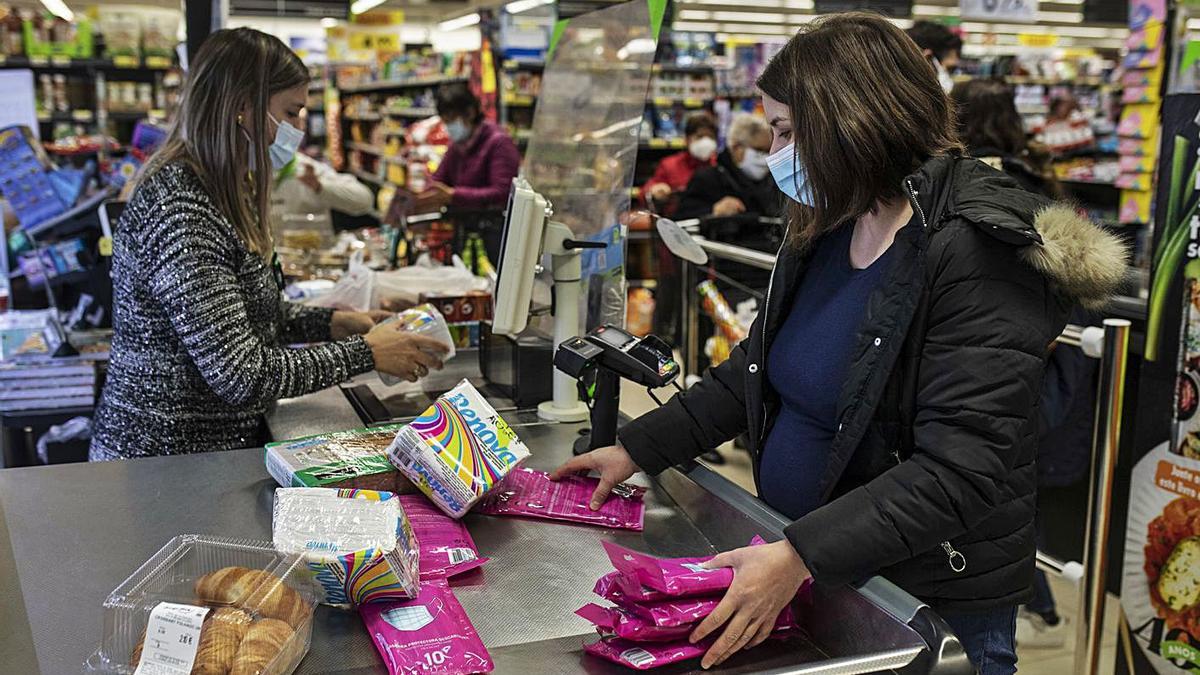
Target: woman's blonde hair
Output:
[(235, 69)]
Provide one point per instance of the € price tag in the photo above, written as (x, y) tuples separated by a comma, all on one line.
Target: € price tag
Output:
[(106, 247), (172, 637), (679, 241)]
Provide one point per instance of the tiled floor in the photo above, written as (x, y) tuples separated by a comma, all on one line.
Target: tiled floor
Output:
[(1044, 661)]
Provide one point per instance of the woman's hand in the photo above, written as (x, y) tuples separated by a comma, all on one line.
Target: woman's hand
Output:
[(765, 579), (403, 354), (613, 464), (728, 206), (346, 324)]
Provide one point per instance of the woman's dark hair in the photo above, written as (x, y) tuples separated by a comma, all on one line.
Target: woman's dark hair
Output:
[(700, 121), (235, 69), (988, 117), (867, 111), (936, 38), (456, 100)]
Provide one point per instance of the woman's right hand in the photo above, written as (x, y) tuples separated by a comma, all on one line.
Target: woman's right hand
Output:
[(612, 462), (404, 354)]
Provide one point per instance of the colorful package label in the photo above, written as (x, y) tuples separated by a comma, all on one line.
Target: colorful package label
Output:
[(530, 493), (447, 548), (632, 626), (1135, 206), (430, 635), (358, 545), (675, 577), (1134, 181), (1138, 120), (457, 450), (646, 655), (329, 459)]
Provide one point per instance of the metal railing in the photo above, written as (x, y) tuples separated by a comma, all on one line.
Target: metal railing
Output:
[(1110, 344)]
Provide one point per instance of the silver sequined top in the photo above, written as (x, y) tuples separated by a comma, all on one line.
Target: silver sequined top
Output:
[(200, 329)]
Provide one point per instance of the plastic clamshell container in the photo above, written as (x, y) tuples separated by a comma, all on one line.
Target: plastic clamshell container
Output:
[(170, 576)]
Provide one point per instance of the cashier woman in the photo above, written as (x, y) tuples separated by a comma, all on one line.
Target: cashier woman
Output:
[(889, 384), (200, 339)]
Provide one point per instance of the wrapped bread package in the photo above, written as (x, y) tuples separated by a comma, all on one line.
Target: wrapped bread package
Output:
[(458, 450), (358, 545), (343, 459)]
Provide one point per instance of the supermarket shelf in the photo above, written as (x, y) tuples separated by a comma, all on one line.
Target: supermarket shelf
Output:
[(520, 100), (365, 147), (670, 68), (68, 279), (524, 64), (131, 114), (61, 63), (685, 102), (642, 283), (367, 177), (414, 113), (663, 144), (1047, 81), (384, 85), (364, 117), (1102, 183)]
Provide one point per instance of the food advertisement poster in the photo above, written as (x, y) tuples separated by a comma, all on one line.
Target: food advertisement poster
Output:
[(1160, 574)]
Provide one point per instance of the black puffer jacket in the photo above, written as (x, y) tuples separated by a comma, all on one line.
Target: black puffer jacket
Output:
[(931, 477)]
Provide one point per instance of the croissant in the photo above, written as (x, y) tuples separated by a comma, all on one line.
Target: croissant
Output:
[(263, 642), (220, 637), (255, 591)]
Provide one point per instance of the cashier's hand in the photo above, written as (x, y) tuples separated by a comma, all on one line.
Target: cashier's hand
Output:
[(728, 206), (613, 464), (765, 579), (660, 192), (403, 354)]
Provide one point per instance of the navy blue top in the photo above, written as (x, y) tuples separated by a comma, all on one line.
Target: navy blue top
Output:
[(807, 365)]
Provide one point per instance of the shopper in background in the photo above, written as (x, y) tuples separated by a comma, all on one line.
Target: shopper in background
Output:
[(674, 172), (478, 169), (306, 190), (740, 182), (199, 322), (992, 129), (941, 46), (993, 132), (889, 383)]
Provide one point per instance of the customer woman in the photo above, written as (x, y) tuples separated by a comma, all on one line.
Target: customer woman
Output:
[(200, 326), (888, 385)]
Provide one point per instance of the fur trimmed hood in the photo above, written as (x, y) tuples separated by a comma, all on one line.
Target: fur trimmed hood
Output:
[(1085, 262)]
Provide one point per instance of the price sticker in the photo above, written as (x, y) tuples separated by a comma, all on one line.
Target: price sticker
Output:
[(125, 61), (172, 637), (81, 115), (61, 61), (106, 247), (39, 61)]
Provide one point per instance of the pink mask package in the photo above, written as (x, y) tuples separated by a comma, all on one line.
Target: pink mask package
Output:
[(446, 546), (427, 636), (672, 577), (646, 655), (531, 493)]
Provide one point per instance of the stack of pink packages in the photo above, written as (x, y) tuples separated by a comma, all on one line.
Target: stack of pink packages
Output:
[(659, 601), (431, 634), (531, 493)]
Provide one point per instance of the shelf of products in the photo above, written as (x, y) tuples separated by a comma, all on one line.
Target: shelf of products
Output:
[(385, 85), (366, 147), (413, 113)]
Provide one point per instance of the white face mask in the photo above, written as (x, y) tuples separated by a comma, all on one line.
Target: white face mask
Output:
[(287, 142), (754, 164), (703, 148), (943, 75)]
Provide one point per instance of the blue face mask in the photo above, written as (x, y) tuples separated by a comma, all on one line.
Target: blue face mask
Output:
[(287, 141), (457, 131), (790, 175)]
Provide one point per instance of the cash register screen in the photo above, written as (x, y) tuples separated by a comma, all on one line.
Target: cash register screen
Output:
[(615, 338)]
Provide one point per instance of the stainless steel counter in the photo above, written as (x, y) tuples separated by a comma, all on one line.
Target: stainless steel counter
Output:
[(71, 533)]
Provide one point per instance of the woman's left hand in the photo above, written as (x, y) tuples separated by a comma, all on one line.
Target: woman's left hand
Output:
[(346, 324), (765, 579)]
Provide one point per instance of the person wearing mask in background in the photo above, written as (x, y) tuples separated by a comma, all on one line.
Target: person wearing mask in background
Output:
[(306, 190), (941, 47), (889, 383), (740, 182), (992, 130), (478, 169), (200, 326), (674, 172)]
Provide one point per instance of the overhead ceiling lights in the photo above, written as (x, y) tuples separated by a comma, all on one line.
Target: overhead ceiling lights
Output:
[(59, 8), (524, 5), (360, 6), (460, 22)]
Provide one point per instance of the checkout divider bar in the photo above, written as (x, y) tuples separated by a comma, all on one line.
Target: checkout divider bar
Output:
[(1110, 344)]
